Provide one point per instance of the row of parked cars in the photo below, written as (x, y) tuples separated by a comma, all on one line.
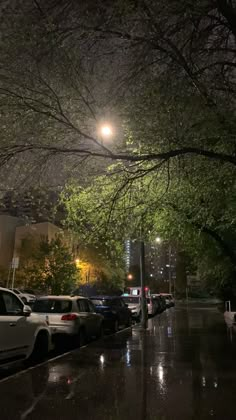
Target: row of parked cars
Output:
[(155, 304), (28, 332)]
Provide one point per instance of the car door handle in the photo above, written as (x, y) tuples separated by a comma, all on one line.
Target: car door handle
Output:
[(12, 324)]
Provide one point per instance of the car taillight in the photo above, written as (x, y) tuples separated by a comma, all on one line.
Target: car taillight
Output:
[(69, 317)]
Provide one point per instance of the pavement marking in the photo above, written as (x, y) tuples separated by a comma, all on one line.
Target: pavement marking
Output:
[(120, 331)]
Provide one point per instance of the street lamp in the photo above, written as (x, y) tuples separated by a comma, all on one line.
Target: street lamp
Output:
[(130, 277), (106, 131), (77, 262), (158, 240)]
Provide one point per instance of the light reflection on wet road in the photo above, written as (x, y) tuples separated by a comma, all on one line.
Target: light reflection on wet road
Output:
[(183, 367)]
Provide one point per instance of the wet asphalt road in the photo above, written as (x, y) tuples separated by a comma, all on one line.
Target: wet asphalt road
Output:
[(182, 367)]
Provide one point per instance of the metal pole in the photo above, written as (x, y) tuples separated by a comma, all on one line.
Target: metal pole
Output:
[(170, 279), (9, 275), (142, 267), (142, 284), (13, 277)]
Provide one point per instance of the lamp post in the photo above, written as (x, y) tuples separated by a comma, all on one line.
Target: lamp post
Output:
[(142, 263), (142, 280), (170, 274)]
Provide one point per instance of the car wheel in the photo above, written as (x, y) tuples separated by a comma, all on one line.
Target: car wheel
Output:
[(129, 323), (82, 339), (40, 350), (139, 317), (116, 326), (101, 332)]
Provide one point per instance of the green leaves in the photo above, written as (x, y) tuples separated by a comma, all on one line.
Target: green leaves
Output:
[(47, 266)]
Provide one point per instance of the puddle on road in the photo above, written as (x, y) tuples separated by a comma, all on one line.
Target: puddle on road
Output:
[(182, 367)]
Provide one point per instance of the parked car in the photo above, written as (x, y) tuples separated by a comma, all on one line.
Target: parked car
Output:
[(162, 301), (23, 335), (152, 306), (71, 316), (169, 299), (159, 303), (27, 298), (115, 311), (134, 305)]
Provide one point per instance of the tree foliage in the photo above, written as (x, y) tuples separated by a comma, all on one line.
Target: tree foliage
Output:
[(55, 99), (46, 266), (166, 71)]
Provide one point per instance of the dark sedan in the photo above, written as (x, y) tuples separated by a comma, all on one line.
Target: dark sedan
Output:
[(116, 313)]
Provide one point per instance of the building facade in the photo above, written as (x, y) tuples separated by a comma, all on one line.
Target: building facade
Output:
[(8, 226)]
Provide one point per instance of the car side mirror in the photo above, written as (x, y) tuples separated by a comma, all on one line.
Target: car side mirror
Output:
[(27, 310)]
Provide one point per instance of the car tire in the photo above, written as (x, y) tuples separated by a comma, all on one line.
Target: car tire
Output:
[(41, 347), (129, 323), (139, 318), (101, 332), (82, 338), (116, 326)]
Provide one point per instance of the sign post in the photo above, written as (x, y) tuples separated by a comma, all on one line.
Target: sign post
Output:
[(9, 275), (14, 265)]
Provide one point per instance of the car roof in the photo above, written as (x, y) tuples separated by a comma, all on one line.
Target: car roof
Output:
[(5, 289), (60, 297)]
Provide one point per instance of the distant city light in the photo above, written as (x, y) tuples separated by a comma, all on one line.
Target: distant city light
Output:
[(102, 359), (161, 374)]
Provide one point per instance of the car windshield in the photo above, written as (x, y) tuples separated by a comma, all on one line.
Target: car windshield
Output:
[(130, 299), (102, 302), (58, 306)]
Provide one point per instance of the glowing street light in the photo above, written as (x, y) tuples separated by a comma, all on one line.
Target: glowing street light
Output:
[(106, 131), (130, 277), (158, 240), (77, 262)]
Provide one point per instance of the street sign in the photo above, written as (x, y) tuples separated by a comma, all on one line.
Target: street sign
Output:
[(15, 262)]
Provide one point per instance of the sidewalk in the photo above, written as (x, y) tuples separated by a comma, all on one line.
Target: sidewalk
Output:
[(181, 368)]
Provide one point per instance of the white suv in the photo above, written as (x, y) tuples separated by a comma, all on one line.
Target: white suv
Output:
[(71, 316), (27, 298), (22, 335)]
